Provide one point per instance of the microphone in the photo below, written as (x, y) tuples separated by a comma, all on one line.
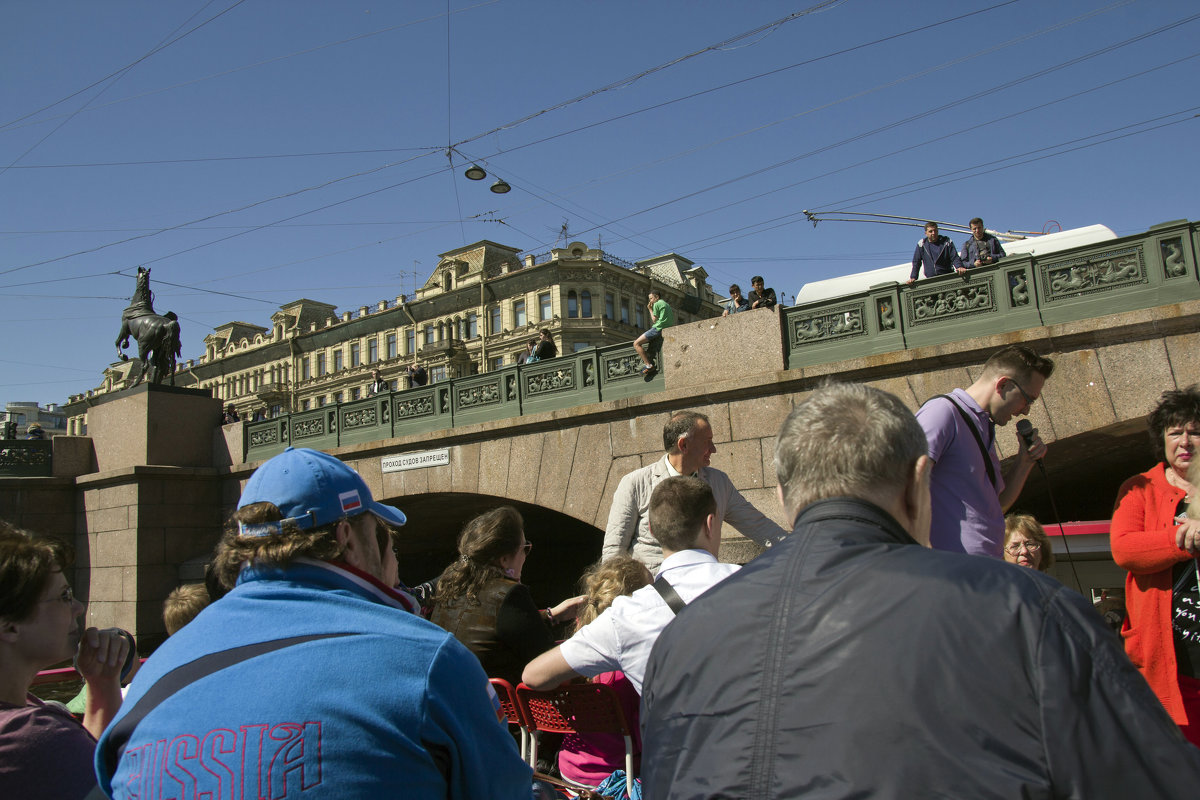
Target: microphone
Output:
[(1025, 431)]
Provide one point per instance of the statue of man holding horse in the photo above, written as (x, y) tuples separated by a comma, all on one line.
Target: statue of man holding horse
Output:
[(157, 336)]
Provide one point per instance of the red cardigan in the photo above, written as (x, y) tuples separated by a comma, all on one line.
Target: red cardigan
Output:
[(1143, 542)]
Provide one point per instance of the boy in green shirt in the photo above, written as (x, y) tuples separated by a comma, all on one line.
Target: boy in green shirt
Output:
[(661, 316)]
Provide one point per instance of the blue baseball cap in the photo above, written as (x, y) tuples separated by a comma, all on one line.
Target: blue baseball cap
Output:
[(312, 489)]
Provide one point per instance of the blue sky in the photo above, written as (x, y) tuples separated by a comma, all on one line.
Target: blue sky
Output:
[(255, 152)]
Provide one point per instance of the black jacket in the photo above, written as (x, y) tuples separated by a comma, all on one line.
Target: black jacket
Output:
[(853, 663)]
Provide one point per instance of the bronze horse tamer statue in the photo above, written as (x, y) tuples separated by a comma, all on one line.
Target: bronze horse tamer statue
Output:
[(157, 336)]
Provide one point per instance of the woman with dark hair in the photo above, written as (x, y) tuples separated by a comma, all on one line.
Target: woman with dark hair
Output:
[(545, 348), (1026, 543), (481, 600), (1153, 538), (44, 751)]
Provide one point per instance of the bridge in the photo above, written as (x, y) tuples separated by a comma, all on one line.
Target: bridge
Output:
[(146, 491)]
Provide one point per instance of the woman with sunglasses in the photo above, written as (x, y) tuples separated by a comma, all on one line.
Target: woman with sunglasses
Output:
[(481, 600), (44, 751)]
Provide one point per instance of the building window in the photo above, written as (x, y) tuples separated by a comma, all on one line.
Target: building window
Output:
[(355, 393), (577, 346), (339, 360), (472, 325), (641, 318), (355, 354), (320, 401), (519, 319), (276, 411), (391, 345), (372, 350), (437, 374), (495, 320), (625, 310), (337, 397), (410, 341), (441, 332), (428, 335), (305, 405), (585, 303), (305, 374), (572, 305), (320, 364), (544, 307), (608, 306), (497, 363)]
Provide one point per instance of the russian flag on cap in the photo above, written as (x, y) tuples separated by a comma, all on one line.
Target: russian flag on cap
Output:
[(350, 501)]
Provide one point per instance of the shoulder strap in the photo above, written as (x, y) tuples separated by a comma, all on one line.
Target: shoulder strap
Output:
[(987, 459), (183, 676), (672, 598)]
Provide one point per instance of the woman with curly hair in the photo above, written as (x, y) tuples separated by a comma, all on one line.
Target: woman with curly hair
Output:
[(1158, 544), (481, 600), (587, 759)]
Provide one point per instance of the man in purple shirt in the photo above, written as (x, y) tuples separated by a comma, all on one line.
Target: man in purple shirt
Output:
[(970, 495)]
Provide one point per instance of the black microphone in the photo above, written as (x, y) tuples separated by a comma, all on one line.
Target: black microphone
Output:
[(1025, 431)]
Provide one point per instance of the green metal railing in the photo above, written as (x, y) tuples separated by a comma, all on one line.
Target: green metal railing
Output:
[(1021, 291), (26, 458), (589, 376)]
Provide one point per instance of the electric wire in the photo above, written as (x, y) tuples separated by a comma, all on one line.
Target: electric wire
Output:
[(276, 59), (919, 116), (119, 72)]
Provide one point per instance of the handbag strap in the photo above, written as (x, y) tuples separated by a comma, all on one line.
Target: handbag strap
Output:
[(971, 426), (668, 593)]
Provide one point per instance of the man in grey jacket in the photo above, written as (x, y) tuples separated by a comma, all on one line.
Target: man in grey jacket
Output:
[(852, 661), (688, 440)]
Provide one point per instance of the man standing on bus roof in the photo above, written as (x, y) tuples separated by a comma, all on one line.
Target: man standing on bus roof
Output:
[(937, 254)]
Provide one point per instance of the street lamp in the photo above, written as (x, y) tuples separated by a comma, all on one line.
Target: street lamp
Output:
[(500, 187), (475, 173)]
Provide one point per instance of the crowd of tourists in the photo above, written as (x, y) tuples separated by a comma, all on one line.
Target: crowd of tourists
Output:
[(900, 637)]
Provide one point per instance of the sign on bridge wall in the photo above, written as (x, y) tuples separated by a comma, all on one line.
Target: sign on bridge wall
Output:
[(427, 458)]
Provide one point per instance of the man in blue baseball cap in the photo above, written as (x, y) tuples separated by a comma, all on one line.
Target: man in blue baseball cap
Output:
[(312, 674)]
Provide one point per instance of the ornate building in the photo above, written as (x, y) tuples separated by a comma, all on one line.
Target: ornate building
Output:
[(476, 312)]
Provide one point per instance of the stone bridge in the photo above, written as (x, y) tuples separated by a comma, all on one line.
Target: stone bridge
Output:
[(145, 494)]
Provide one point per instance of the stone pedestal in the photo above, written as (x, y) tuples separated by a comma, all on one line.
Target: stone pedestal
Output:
[(152, 505), (152, 424), (722, 348)]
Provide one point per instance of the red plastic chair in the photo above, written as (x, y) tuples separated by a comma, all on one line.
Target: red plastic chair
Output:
[(575, 708), (510, 709)]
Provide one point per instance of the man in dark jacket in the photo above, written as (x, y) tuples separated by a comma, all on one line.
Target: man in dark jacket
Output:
[(852, 661), (936, 253)]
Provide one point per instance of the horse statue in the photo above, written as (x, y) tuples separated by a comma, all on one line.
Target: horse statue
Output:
[(157, 336)]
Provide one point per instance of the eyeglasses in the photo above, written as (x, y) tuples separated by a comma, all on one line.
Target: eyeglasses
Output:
[(1028, 400), (527, 546), (67, 597), (1015, 547)]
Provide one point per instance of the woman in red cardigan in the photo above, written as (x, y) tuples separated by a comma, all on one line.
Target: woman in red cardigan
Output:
[(1153, 538)]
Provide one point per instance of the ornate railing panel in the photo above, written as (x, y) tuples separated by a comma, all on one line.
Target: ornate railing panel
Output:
[(26, 458), (1023, 291)]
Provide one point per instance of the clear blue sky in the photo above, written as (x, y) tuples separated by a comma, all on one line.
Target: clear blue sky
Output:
[(224, 159)]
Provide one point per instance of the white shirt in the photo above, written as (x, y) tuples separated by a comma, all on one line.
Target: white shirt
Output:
[(621, 637)]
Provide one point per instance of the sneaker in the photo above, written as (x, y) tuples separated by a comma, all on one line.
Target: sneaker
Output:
[(649, 370)]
